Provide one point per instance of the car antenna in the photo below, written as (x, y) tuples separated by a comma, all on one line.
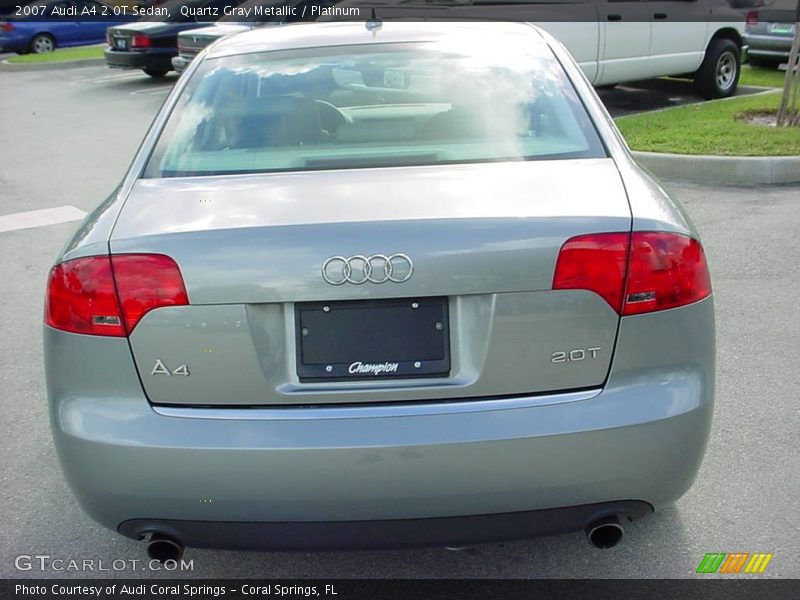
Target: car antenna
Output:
[(373, 24)]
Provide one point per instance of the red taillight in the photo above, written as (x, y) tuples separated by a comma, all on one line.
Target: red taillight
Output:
[(101, 295), (140, 41), (664, 270), (6, 26), (145, 282), (594, 262), (108, 39), (752, 17), (81, 298)]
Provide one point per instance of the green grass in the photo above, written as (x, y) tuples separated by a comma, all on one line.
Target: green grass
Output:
[(59, 55), (712, 128), (761, 77)]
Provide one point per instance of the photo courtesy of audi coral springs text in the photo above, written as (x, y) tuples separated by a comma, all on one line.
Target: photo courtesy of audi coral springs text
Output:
[(387, 285)]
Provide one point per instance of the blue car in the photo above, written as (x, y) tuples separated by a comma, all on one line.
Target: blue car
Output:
[(39, 27)]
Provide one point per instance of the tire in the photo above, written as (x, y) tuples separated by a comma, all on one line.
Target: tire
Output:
[(42, 43), (156, 73), (718, 76)]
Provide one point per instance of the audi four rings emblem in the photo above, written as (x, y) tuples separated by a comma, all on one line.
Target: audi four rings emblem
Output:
[(358, 269)]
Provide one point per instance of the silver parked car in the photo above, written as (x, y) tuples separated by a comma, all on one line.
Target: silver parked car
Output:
[(379, 285), (770, 31)]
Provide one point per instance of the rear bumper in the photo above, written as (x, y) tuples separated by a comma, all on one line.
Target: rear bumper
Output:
[(180, 62), (157, 58), (768, 46), (339, 475), (361, 535)]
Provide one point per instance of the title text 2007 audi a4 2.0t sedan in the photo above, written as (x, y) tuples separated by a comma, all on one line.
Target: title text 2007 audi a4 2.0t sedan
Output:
[(377, 286)]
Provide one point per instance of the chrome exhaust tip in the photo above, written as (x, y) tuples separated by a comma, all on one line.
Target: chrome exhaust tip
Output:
[(605, 533), (163, 548)]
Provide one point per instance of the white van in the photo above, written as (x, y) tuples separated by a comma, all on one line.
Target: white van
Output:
[(614, 41), (643, 39)]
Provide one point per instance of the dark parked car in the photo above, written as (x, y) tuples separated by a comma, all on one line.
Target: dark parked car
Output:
[(151, 43), (769, 33), (39, 27), (192, 42)]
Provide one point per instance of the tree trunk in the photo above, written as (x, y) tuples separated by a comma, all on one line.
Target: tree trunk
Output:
[(789, 112)]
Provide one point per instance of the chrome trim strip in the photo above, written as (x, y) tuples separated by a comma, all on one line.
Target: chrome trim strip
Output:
[(372, 411)]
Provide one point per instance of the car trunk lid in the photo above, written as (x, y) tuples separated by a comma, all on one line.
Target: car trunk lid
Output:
[(482, 239)]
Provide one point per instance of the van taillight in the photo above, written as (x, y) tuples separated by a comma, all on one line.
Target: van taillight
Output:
[(102, 295), (635, 273), (752, 17)]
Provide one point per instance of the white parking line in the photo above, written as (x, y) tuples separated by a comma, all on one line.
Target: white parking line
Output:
[(163, 91), (109, 78), (40, 218)]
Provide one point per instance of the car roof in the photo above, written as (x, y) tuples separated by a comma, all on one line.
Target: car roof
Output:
[(321, 35)]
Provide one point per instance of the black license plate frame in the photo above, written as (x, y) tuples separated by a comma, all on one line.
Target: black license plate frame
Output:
[(372, 339)]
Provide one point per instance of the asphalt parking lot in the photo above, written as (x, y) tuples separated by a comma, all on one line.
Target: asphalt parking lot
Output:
[(67, 138)]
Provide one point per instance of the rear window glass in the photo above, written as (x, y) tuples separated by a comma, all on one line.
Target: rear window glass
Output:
[(370, 106)]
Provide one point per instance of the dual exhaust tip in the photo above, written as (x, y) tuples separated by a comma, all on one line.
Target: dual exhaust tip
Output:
[(163, 548), (603, 533)]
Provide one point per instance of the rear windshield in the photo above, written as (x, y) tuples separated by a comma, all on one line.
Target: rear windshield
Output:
[(372, 106)]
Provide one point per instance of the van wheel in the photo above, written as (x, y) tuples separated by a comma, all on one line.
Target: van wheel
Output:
[(155, 72), (718, 76)]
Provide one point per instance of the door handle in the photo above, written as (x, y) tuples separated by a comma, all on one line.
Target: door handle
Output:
[(614, 17), (660, 16)]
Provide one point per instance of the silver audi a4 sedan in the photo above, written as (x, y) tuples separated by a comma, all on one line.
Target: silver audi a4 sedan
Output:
[(380, 285)]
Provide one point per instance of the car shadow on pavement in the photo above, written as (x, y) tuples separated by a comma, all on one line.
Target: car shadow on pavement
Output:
[(653, 547), (655, 94)]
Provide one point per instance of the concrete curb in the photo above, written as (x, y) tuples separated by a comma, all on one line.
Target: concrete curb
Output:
[(732, 170)]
